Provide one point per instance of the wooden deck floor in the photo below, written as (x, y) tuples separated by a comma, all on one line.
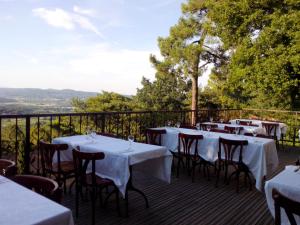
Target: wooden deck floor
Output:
[(184, 202)]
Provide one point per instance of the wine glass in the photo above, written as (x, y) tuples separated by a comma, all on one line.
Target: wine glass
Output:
[(169, 123), (237, 122), (178, 124), (198, 126), (254, 132), (222, 120), (248, 123), (208, 129), (211, 119), (131, 140), (236, 130)]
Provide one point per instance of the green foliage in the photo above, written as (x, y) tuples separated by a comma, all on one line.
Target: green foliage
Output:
[(107, 101), (262, 40), (168, 92)]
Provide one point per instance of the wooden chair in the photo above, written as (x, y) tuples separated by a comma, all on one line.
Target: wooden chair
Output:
[(90, 180), (154, 136), (42, 185), (188, 126), (290, 207), (219, 131), (258, 135), (186, 143), (204, 126), (61, 170), (271, 129), (229, 149), (7, 168), (232, 129), (107, 134)]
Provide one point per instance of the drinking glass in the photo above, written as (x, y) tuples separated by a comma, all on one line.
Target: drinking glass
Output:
[(236, 130), (198, 126), (169, 123), (178, 124), (254, 132), (221, 120), (211, 119), (208, 129), (131, 140)]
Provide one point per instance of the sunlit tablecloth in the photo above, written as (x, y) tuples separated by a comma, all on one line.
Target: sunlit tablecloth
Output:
[(150, 159), (281, 129), (260, 155), (287, 183), (21, 206), (246, 129)]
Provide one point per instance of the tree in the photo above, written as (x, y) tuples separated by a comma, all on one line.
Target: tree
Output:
[(168, 92), (186, 50), (261, 38), (106, 101)]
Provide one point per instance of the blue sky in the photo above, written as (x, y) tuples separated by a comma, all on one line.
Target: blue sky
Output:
[(90, 45)]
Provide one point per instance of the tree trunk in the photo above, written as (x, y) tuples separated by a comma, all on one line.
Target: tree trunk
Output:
[(194, 98)]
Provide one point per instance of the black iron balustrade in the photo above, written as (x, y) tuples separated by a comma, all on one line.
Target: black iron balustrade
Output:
[(20, 134)]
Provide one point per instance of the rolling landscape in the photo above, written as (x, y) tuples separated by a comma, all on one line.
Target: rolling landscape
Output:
[(34, 100)]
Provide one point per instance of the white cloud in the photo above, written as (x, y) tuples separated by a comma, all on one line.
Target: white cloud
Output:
[(113, 70), (86, 12), (67, 20), (28, 58)]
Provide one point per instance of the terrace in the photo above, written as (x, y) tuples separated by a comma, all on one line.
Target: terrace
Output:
[(181, 202)]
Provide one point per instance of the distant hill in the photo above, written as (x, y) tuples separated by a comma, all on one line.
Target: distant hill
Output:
[(34, 100), (35, 94)]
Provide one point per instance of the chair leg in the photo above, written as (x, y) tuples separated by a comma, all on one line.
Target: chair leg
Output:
[(93, 204), (118, 202), (218, 176), (237, 181), (77, 200), (193, 171)]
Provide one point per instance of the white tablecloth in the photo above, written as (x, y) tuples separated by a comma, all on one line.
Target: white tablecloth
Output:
[(287, 183), (150, 159), (260, 155), (21, 206), (246, 129), (282, 128)]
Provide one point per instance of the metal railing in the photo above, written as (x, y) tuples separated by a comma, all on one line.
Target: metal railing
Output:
[(20, 134)]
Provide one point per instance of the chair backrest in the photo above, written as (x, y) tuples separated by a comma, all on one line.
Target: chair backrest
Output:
[(219, 131), (203, 126), (42, 185), (231, 129), (154, 136), (290, 207), (8, 168), (47, 152), (188, 126), (258, 135), (245, 123), (186, 142), (229, 148), (107, 134), (270, 128), (81, 161)]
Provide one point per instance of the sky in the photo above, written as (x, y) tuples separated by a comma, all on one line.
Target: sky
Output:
[(90, 45)]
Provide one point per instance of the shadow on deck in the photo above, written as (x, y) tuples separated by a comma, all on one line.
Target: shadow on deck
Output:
[(184, 202)]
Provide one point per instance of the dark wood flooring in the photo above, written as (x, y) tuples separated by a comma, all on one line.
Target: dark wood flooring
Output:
[(184, 202)]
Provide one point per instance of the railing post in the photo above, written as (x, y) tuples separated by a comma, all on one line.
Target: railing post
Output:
[(103, 123), (27, 146)]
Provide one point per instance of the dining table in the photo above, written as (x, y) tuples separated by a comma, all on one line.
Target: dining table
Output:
[(280, 130), (121, 157), (260, 155), (245, 129), (287, 182), (21, 206)]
